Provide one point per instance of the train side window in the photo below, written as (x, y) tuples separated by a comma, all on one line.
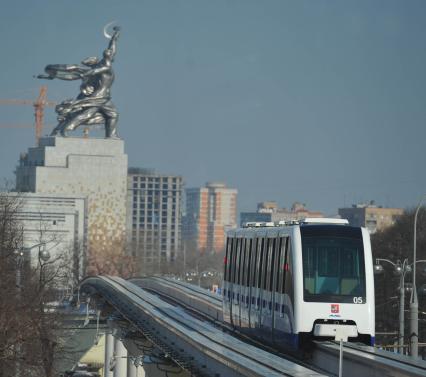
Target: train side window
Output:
[(284, 262), (248, 264), (273, 266), (268, 264), (234, 260), (237, 260), (243, 261), (227, 257), (289, 272), (253, 263), (260, 263), (280, 264), (265, 263)]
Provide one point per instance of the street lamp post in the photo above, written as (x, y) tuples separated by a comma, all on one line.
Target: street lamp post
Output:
[(400, 269), (44, 256), (414, 303)]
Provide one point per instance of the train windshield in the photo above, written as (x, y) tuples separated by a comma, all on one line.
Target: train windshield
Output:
[(333, 264)]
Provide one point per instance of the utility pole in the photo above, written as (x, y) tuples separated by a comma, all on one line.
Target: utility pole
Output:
[(414, 303)]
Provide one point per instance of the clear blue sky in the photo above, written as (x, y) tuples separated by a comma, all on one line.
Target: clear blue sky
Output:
[(317, 101)]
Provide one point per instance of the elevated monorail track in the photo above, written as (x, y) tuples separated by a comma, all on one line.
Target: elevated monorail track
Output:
[(359, 360), (193, 344)]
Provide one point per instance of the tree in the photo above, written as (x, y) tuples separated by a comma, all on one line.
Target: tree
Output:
[(396, 243), (10, 241), (29, 331), (114, 260), (200, 268)]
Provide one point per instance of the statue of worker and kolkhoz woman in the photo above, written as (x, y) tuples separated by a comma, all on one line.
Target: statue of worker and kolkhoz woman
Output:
[(93, 105)]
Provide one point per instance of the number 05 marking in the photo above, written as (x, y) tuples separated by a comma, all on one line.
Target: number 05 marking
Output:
[(357, 300)]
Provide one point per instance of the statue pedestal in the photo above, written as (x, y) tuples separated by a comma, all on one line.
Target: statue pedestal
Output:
[(94, 168)]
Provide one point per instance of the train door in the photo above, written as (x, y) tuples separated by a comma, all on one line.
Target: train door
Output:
[(274, 281), (253, 281), (265, 294), (235, 287), (268, 292), (243, 309), (289, 296), (227, 280), (257, 284), (284, 324), (233, 255), (240, 268), (243, 290), (277, 287), (245, 317)]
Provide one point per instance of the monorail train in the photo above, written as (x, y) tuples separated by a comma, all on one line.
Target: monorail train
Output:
[(289, 283)]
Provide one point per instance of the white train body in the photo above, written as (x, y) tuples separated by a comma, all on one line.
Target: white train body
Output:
[(287, 284)]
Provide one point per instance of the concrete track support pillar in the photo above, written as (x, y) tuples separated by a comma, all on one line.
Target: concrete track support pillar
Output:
[(120, 354), (132, 371), (109, 351)]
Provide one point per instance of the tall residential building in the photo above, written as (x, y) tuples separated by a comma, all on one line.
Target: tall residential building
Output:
[(210, 212), (153, 217), (83, 167), (270, 212), (371, 216)]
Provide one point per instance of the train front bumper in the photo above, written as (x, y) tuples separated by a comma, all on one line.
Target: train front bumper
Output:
[(330, 330)]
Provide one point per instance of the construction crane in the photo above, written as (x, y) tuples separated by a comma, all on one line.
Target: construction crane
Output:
[(39, 105)]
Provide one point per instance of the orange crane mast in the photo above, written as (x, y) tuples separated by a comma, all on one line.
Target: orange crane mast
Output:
[(39, 105)]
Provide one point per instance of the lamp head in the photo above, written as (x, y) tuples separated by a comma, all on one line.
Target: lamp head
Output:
[(378, 269), (398, 269), (44, 254), (408, 287)]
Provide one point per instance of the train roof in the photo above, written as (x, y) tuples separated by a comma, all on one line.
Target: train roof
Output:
[(308, 220), (262, 228)]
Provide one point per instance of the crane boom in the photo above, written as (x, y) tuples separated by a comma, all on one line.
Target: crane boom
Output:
[(39, 104)]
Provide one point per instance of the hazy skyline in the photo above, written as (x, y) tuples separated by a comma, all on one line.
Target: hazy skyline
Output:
[(321, 102)]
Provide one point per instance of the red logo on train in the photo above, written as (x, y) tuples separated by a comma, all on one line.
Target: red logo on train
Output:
[(335, 308)]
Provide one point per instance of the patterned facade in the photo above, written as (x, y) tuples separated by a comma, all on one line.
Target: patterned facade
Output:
[(153, 217), (210, 212), (85, 167)]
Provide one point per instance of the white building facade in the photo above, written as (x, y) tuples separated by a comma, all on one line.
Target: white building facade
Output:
[(57, 223)]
